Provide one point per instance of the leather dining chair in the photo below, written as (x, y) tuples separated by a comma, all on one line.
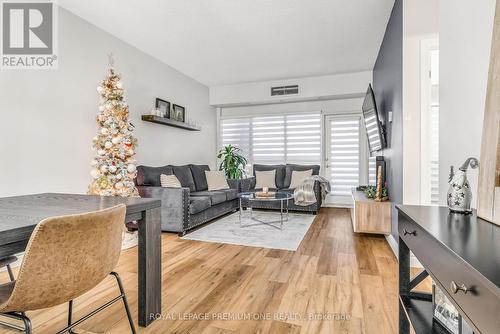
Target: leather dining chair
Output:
[(66, 256)]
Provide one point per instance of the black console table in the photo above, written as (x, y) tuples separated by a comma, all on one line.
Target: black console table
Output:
[(462, 255)]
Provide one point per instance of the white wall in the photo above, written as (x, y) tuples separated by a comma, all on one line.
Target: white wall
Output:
[(336, 86), (48, 117), (420, 22), (465, 29)]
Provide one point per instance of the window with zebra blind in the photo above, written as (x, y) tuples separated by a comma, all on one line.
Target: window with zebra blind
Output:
[(236, 132), (343, 153), (429, 154), (278, 139)]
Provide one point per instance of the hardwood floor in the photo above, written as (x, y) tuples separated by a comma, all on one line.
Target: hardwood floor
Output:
[(351, 280)]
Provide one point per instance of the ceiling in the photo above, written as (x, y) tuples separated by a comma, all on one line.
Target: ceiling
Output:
[(220, 42)]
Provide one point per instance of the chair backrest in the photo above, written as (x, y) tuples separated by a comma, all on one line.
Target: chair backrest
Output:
[(66, 257)]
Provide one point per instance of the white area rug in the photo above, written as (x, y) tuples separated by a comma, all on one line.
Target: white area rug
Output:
[(227, 230), (129, 239)]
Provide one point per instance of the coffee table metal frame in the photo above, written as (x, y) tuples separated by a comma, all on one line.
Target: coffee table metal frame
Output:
[(250, 197)]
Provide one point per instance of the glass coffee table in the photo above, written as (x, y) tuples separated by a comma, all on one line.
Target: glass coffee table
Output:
[(248, 200)]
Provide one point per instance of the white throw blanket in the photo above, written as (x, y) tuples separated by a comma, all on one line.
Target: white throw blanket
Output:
[(304, 194)]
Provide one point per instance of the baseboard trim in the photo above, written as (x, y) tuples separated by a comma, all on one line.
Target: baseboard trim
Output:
[(393, 244)]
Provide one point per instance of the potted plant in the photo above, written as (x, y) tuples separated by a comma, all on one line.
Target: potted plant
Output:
[(371, 193), (233, 163)]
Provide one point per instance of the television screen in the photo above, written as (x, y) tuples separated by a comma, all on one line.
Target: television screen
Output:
[(376, 140)]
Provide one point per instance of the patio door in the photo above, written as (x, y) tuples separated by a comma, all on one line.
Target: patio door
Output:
[(345, 155)]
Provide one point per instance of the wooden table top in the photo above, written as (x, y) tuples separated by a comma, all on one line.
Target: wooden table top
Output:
[(28, 210)]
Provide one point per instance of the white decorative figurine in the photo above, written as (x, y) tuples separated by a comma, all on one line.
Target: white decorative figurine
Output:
[(459, 195)]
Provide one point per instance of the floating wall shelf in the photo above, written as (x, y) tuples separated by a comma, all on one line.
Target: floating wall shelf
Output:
[(169, 122)]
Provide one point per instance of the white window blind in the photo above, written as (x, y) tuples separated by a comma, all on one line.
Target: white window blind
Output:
[(303, 139), (372, 173), (344, 155), (435, 155), (429, 137), (268, 140), (434, 119), (275, 139), (236, 132)]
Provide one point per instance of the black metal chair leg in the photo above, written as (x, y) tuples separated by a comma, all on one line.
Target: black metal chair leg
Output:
[(125, 303), (11, 274), (12, 279), (27, 324), (70, 315)]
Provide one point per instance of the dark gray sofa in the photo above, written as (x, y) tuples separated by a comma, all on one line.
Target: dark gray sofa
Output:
[(283, 180), (192, 205)]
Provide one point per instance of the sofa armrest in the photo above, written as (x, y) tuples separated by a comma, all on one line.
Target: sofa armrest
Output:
[(174, 206), (317, 192), (247, 184), (171, 197)]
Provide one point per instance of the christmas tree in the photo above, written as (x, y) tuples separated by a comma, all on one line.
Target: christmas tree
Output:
[(113, 169)]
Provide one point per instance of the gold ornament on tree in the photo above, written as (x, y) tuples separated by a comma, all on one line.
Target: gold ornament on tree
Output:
[(114, 167)]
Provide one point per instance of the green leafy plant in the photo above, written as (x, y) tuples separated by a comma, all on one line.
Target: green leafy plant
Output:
[(232, 162), (371, 192)]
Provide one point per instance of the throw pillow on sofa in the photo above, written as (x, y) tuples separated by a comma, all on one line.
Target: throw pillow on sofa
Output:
[(298, 177), (183, 173), (265, 179), (280, 173), (169, 181), (200, 180), (216, 180)]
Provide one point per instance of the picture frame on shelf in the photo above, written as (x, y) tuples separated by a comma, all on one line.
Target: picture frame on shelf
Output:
[(178, 113), (163, 106)]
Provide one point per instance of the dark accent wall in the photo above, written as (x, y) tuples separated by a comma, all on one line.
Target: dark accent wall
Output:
[(388, 88)]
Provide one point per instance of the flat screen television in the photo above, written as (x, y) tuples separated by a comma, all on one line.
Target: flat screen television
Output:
[(374, 129)]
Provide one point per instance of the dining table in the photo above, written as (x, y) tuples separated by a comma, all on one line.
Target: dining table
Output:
[(19, 216)]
